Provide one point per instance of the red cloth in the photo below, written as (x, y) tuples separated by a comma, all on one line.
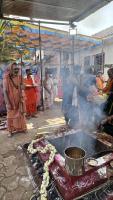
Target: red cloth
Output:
[(108, 87), (31, 96)]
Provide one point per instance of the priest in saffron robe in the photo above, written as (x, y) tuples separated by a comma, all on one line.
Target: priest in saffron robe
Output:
[(14, 99)]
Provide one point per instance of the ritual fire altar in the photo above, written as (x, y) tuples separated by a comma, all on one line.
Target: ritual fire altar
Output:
[(95, 183)]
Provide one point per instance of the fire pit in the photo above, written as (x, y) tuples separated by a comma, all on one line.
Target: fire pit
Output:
[(88, 185), (79, 139)]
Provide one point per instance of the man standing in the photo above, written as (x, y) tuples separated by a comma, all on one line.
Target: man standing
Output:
[(30, 94), (14, 100), (48, 91)]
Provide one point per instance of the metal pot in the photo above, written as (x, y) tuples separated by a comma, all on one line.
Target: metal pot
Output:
[(74, 161)]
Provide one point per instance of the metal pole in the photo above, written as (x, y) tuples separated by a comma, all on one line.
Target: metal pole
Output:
[(34, 21), (102, 67), (21, 86), (60, 58), (35, 57), (73, 50), (1, 8), (60, 64), (40, 49)]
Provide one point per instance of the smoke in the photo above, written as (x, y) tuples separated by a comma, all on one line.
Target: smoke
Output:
[(82, 106)]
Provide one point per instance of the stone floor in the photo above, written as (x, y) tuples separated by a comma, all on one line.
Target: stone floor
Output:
[(14, 180)]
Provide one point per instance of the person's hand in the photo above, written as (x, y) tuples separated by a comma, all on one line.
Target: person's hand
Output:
[(103, 121), (109, 119), (9, 107), (90, 98), (28, 86), (22, 87), (49, 91), (33, 86)]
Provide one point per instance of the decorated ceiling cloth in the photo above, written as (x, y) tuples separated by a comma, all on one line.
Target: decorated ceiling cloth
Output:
[(18, 38)]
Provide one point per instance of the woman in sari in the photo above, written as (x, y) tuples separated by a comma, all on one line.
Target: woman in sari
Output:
[(30, 94), (99, 81), (48, 91), (108, 109), (12, 83), (109, 84)]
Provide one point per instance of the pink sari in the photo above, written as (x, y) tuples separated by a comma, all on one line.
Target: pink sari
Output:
[(15, 109)]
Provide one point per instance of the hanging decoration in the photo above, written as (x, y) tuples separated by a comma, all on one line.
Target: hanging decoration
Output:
[(15, 35)]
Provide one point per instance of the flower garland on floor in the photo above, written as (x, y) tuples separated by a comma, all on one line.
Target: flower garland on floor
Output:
[(45, 181)]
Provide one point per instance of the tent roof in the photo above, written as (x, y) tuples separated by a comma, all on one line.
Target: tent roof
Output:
[(22, 33), (63, 10), (18, 36)]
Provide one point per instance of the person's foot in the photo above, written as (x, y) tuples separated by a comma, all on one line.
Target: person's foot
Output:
[(26, 131), (28, 117), (9, 135), (34, 116)]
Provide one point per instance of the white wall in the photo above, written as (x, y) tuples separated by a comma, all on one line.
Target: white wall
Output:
[(107, 49)]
